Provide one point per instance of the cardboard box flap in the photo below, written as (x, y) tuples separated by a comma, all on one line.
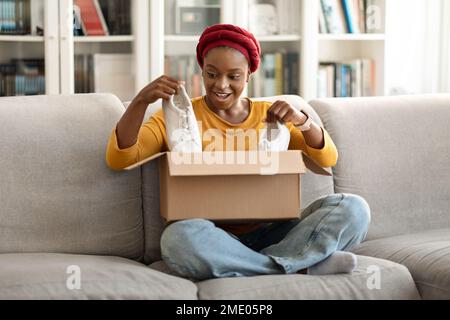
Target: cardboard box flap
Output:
[(314, 167), (140, 163), (235, 163)]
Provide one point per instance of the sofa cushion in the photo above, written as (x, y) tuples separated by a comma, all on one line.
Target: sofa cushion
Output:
[(395, 153), (56, 192), (53, 276), (395, 282), (426, 255), (313, 186)]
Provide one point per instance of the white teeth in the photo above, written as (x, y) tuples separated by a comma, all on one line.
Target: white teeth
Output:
[(222, 95)]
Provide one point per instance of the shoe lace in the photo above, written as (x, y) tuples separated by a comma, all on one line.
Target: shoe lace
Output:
[(186, 126), (265, 145)]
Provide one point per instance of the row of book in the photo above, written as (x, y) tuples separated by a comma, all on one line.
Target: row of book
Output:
[(22, 77), (105, 73), (91, 17), (351, 16), (277, 75), (84, 73), (185, 68), (102, 17), (109, 73), (274, 17), (354, 78), (21, 17)]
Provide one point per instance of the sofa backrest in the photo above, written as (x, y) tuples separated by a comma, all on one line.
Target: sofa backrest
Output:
[(56, 192), (313, 186), (394, 152)]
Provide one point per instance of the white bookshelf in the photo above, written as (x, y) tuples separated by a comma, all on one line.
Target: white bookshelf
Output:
[(232, 11), (345, 47), (58, 46), (104, 39), (180, 38), (280, 38), (352, 37), (5, 38), (150, 42), (312, 46), (135, 44)]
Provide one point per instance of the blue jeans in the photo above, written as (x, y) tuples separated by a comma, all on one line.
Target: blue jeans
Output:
[(197, 249)]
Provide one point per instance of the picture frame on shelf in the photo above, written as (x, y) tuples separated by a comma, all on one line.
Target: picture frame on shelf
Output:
[(193, 19)]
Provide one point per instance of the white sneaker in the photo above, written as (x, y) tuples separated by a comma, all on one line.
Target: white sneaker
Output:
[(274, 137), (182, 130)]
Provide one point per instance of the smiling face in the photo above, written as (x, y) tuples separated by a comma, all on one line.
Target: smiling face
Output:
[(225, 75)]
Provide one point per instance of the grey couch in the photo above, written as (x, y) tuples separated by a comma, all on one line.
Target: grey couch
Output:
[(71, 228)]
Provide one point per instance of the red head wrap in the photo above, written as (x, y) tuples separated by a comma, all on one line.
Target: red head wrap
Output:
[(230, 36)]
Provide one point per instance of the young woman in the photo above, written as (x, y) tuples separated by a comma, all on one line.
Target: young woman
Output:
[(199, 249)]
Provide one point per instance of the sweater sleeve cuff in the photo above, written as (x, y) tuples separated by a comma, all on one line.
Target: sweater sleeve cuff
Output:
[(115, 144), (328, 151)]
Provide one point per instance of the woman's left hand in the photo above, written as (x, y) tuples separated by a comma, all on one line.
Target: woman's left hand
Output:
[(282, 111)]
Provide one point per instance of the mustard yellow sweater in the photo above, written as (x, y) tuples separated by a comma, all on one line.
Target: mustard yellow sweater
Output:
[(152, 139)]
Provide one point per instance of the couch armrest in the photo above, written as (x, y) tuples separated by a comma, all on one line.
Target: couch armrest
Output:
[(395, 152)]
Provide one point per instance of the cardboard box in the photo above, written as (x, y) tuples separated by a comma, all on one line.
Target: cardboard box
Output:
[(232, 187)]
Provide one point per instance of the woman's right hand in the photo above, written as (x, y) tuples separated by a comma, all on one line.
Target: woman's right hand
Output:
[(161, 88), (127, 129)]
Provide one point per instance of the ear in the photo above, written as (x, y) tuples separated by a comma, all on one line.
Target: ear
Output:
[(248, 76)]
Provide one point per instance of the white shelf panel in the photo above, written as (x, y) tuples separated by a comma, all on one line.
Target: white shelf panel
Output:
[(352, 37), (178, 38), (274, 38), (279, 38), (103, 39), (21, 38)]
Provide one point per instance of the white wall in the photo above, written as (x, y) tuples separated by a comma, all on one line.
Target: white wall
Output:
[(417, 46)]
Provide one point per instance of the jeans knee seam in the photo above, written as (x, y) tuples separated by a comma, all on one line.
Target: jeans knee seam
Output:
[(319, 227)]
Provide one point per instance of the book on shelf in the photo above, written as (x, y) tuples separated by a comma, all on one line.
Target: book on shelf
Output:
[(278, 74), (117, 14), (368, 77), (185, 68), (334, 16), (77, 29), (92, 21), (361, 5), (351, 16), (322, 22), (105, 73), (351, 11), (355, 78), (84, 73), (22, 77), (268, 68), (15, 17)]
